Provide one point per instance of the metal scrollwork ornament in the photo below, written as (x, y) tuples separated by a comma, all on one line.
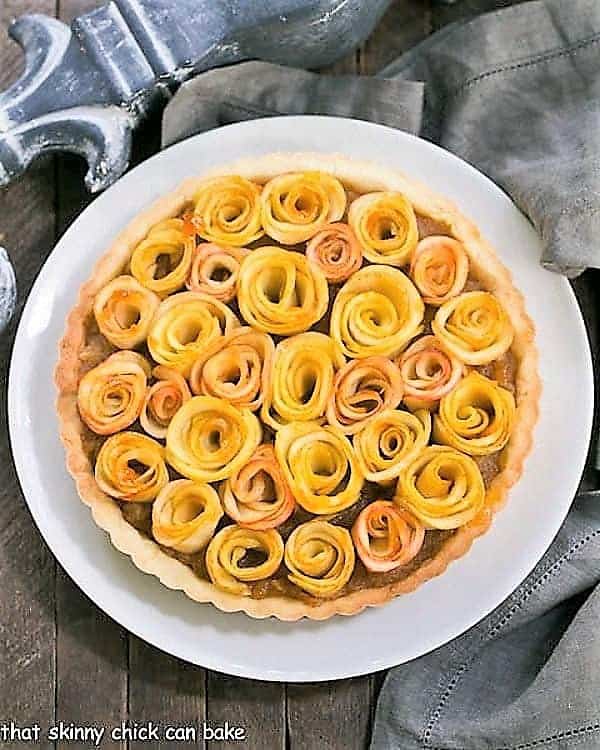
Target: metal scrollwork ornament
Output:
[(87, 86)]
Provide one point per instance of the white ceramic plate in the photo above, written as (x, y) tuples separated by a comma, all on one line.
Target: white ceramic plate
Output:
[(377, 638)]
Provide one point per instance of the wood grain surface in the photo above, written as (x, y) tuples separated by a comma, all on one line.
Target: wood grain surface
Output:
[(61, 659)]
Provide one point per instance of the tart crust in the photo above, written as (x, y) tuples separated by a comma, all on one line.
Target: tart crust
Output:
[(359, 177)]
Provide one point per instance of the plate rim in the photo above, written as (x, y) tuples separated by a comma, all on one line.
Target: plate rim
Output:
[(20, 339)]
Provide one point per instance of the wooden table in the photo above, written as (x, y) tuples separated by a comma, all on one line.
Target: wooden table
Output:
[(60, 657)]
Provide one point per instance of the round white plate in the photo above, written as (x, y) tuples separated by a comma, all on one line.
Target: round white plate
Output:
[(340, 647)]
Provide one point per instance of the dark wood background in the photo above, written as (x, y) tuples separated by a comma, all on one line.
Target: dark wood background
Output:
[(60, 657)]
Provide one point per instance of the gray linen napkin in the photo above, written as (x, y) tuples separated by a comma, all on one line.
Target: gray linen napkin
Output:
[(527, 676), (517, 94), (257, 89)]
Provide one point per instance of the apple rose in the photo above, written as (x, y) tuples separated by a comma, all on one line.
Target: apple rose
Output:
[(235, 367), (362, 389), (443, 488), (477, 417), (257, 495), (124, 310), (162, 261), (227, 211), (184, 325), (215, 269), (377, 311), (185, 515), (209, 439), (280, 292), (110, 396), (301, 379), (386, 536), (336, 251), (320, 557), (296, 206), (163, 399), (390, 441), (473, 327), (231, 558), (386, 227), (319, 466), (428, 372), (131, 467), (439, 268)]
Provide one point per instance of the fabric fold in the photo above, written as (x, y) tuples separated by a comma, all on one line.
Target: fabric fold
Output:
[(515, 93), (258, 89), (526, 676)]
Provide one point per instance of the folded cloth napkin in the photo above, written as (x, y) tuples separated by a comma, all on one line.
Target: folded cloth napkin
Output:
[(527, 676), (256, 89), (516, 93)]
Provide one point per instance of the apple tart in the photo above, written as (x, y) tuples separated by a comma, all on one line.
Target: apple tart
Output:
[(299, 385)]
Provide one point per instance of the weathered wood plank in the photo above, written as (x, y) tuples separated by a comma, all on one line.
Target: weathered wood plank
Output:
[(405, 23), (165, 691), (27, 569), (258, 707), (69, 9), (376, 684), (91, 663), (330, 715), (91, 649), (151, 686), (339, 714)]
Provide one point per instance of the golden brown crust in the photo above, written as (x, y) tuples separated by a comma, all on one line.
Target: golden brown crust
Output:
[(359, 177)]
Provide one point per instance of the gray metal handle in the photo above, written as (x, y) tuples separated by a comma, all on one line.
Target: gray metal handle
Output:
[(85, 87), (8, 290)]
